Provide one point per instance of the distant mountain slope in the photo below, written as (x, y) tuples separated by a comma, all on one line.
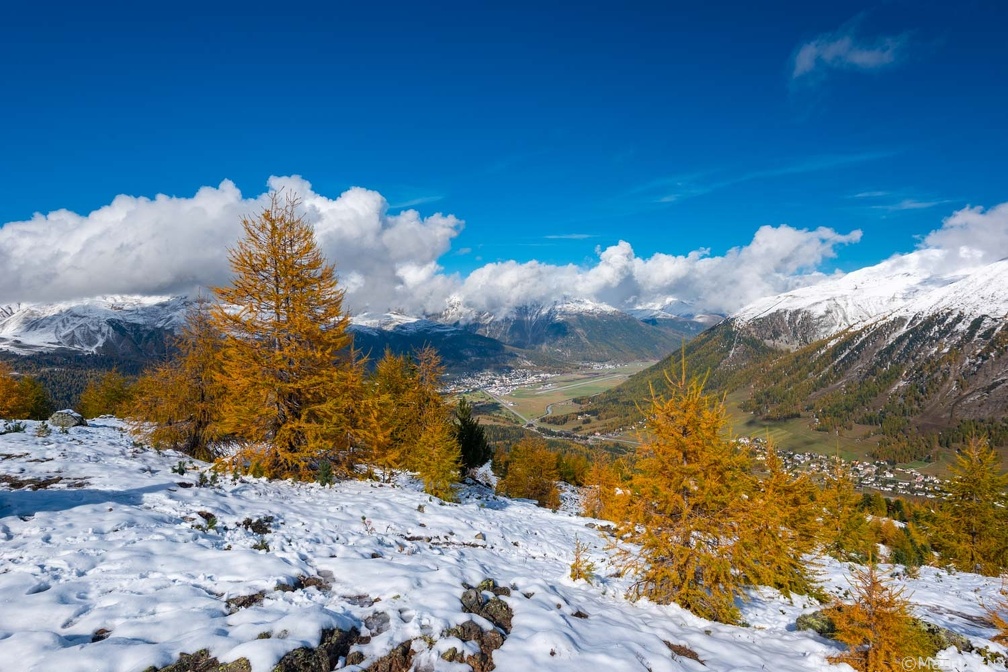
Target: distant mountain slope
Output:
[(915, 358), (460, 349), (584, 332), (128, 327)]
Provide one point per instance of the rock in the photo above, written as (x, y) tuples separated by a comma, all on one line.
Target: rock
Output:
[(398, 659), (202, 661), (67, 418), (491, 641), (354, 658), (499, 613), (244, 601), (818, 622), (469, 631), (334, 644), (472, 601), (940, 638), (377, 623), (480, 536)]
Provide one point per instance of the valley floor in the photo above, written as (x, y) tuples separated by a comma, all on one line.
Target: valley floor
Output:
[(124, 564)]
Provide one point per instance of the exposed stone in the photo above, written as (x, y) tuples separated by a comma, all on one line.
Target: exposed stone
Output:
[(818, 622), (499, 613), (202, 661), (472, 601), (398, 659), (244, 601), (377, 623), (67, 418), (354, 658), (334, 644)]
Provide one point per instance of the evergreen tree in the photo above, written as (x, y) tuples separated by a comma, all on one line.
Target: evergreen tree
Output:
[(177, 403), (472, 441), (877, 628), (972, 527), (286, 346), (109, 394)]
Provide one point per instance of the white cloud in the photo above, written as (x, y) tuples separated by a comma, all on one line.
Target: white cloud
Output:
[(845, 50), (385, 261), (778, 259), (171, 245), (971, 237)]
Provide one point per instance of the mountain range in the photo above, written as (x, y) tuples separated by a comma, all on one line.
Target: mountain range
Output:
[(910, 357), (139, 328)]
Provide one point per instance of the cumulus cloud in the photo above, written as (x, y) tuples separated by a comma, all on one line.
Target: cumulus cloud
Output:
[(169, 245), (776, 260), (846, 50), (971, 237)]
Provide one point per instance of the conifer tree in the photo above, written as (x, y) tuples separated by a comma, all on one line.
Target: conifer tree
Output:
[(972, 526), (109, 394), (532, 473), (845, 533), (877, 628), (286, 346), (472, 441), (686, 508), (177, 403)]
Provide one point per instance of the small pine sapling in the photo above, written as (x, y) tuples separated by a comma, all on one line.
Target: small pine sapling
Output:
[(582, 567)]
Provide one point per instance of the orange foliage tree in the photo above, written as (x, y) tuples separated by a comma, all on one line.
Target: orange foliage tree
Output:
[(288, 361)]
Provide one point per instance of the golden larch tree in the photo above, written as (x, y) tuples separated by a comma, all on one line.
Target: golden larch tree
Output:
[(176, 404), (286, 346), (782, 530), (877, 627), (687, 508), (845, 533), (108, 394), (532, 473), (972, 527)]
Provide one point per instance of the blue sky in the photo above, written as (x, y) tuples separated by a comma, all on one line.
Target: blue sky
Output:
[(551, 129)]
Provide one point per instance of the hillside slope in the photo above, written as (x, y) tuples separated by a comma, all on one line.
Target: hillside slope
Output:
[(116, 563), (920, 368)]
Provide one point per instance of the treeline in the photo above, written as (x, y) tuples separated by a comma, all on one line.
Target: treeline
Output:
[(64, 377)]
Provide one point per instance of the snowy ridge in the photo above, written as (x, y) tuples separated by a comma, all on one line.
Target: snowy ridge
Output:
[(84, 325), (120, 548), (901, 286)]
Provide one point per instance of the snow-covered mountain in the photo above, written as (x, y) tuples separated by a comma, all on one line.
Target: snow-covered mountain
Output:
[(124, 326), (571, 330), (906, 286)]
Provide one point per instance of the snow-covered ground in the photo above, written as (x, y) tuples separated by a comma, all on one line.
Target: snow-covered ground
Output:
[(121, 548)]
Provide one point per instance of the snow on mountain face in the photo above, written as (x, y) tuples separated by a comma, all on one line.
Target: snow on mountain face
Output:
[(901, 286), (85, 325), (118, 567)]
